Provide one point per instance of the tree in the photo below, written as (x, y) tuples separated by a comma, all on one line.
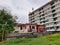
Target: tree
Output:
[(7, 23)]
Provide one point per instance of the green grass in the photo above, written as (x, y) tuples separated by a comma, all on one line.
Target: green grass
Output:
[(53, 39)]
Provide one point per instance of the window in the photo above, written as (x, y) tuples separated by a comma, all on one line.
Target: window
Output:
[(30, 30), (46, 20), (53, 10), (57, 27), (21, 28), (52, 7), (51, 27), (42, 14), (40, 22), (42, 18), (52, 3), (54, 14), (33, 27), (43, 21), (55, 19), (42, 8), (42, 30), (33, 21), (39, 12), (25, 27), (55, 22), (47, 28), (56, 0), (39, 9)]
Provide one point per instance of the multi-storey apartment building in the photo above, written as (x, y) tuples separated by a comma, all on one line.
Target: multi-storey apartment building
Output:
[(48, 15)]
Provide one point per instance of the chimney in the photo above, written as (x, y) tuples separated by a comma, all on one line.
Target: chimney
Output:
[(32, 9)]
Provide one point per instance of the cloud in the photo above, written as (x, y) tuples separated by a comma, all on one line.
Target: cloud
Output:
[(21, 8)]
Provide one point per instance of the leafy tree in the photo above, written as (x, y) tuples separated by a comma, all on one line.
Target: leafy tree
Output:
[(7, 23)]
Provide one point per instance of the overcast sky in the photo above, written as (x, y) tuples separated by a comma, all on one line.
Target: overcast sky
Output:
[(21, 8)]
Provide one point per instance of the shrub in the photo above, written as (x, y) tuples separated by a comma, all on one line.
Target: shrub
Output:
[(31, 35)]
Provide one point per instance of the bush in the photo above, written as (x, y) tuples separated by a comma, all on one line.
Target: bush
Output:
[(31, 35)]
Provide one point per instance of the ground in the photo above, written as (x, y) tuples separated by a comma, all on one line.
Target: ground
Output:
[(53, 39)]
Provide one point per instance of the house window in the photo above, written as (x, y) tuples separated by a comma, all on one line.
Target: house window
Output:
[(30, 30), (41, 30), (21, 28), (33, 27), (25, 27)]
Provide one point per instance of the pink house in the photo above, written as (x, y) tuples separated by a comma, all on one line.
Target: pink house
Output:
[(26, 28)]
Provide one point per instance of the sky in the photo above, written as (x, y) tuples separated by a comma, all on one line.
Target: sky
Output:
[(21, 8)]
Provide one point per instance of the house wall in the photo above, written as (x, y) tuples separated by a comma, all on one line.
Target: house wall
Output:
[(29, 27), (25, 29), (41, 29)]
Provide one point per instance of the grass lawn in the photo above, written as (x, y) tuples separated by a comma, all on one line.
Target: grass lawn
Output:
[(53, 39)]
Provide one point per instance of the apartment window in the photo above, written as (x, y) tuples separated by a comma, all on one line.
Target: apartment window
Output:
[(39, 9), (51, 27), (33, 21), (39, 12), (57, 27), (54, 14), (43, 11), (47, 28), (43, 21), (46, 20), (33, 13), (42, 14), (53, 6), (42, 18), (42, 8), (55, 19), (53, 10), (32, 18), (55, 22), (56, 0), (40, 22), (30, 14), (52, 3)]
